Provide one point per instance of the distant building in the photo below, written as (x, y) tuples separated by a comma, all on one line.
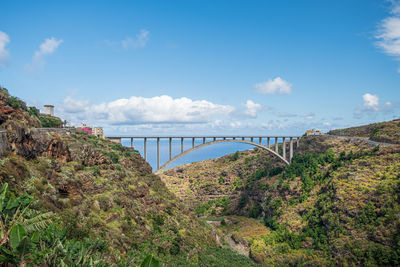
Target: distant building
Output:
[(49, 110), (313, 132), (85, 128), (98, 131)]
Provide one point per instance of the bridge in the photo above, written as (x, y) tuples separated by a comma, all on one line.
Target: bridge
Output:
[(281, 141)]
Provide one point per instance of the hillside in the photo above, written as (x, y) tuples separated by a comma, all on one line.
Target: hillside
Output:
[(336, 204), (388, 132), (84, 201)]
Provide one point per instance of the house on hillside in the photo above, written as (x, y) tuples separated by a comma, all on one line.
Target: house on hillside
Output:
[(314, 132), (96, 131)]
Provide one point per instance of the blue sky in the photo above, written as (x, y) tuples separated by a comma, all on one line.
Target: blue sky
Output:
[(205, 67)]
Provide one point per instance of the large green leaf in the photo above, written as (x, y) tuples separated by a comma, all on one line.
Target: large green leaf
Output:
[(150, 261), (16, 235), (35, 237), (3, 192), (24, 246)]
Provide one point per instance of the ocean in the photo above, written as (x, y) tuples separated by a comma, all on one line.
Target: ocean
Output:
[(204, 153)]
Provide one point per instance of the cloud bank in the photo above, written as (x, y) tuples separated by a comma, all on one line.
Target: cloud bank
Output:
[(141, 110)]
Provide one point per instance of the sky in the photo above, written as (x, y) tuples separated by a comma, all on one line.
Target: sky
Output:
[(205, 67)]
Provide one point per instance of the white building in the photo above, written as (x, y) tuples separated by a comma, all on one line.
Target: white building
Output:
[(49, 110)]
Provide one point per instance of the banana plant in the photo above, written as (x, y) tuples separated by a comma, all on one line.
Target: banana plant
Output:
[(19, 230)]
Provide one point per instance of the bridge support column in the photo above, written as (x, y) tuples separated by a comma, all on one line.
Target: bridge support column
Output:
[(158, 153), (284, 148), (242, 138), (234, 138), (193, 142), (181, 144), (291, 149), (214, 139), (131, 142), (251, 139), (260, 140), (224, 138), (276, 144), (204, 140), (268, 142), (145, 148), (170, 148)]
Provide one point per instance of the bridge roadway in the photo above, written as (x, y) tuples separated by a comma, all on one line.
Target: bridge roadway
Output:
[(251, 140)]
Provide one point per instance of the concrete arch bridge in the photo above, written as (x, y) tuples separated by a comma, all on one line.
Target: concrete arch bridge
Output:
[(256, 141)]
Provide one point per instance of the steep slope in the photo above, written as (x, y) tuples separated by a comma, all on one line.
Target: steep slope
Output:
[(99, 190), (232, 184), (388, 131), (336, 204)]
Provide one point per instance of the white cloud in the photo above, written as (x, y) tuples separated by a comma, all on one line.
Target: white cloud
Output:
[(275, 86), (371, 105), (388, 34), (252, 108), (4, 40), (139, 41), (371, 102), (71, 105), (48, 47), (141, 110)]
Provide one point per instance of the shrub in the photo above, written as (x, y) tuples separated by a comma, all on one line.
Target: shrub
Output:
[(33, 111), (114, 157), (50, 122), (16, 103), (235, 156), (96, 171)]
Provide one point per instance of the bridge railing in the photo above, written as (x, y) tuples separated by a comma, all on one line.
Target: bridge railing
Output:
[(205, 139)]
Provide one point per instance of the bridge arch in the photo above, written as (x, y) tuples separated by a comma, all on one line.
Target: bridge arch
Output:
[(220, 141)]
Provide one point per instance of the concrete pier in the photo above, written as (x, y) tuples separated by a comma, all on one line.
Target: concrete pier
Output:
[(170, 148), (284, 148), (181, 144), (145, 148), (158, 153), (291, 149)]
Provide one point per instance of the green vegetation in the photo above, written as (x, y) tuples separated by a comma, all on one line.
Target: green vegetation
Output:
[(211, 205), (50, 122), (78, 200), (382, 132)]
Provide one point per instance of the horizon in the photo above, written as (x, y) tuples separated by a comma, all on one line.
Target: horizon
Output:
[(205, 68)]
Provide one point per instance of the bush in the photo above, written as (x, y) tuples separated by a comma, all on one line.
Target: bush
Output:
[(33, 111), (96, 171), (50, 122), (16, 103), (114, 157), (235, 156)]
